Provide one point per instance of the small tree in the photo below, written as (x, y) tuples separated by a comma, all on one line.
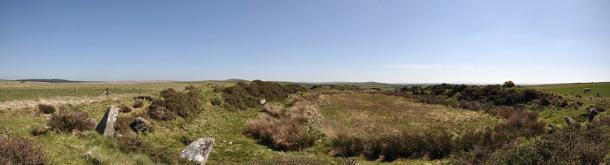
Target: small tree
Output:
[(508, 84)]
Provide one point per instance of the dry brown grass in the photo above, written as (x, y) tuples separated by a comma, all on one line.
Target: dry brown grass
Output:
[(284, 128), (365, 114)]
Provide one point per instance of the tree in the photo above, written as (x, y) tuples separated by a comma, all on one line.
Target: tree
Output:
[(508, 84)]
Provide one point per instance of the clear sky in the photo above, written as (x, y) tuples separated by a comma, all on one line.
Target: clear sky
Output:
[(398, 41)]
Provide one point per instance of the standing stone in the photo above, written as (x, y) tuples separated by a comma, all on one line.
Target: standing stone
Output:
[(199, 150), (106, 125), (569, 120)]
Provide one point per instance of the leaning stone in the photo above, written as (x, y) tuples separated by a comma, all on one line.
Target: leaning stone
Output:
[(199, 150), (569, 121), (106, 125)]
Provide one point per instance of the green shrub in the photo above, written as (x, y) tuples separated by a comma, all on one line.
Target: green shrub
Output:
[(71, 119), (15, 150), (157, 111), (241, 96), (565, 146), (508, 84), (184, 104)]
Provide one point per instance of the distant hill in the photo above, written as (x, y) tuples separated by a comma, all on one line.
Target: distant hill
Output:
[(48, 80)]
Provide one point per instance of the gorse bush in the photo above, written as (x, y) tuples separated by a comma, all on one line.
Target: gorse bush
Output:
[(242, 96), (46, 108), (184, 104), (15, 150), (71, 119)]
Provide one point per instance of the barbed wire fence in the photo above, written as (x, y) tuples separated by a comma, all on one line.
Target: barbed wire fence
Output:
[(9, 94)]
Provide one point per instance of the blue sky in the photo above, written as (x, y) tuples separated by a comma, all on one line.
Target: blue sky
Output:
[(398, 41)]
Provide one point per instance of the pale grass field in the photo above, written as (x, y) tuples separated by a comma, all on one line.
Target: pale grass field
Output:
[(371, 114)]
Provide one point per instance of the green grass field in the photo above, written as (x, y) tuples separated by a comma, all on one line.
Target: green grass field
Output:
[(13, 90), (356, 113), (577, 89)]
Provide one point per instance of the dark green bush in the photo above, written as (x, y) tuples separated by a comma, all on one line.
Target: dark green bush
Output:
[(241, 96), (15, 150), (508, 84), (157, 111), (184, 104)]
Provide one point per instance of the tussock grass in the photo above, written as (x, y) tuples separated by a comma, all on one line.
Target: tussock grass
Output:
[(284, 128)]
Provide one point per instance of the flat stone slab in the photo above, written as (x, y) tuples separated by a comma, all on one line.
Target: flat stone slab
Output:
[(106, 125), (199, 150)]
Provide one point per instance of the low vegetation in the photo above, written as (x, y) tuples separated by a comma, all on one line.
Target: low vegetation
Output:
[(242, 96), (16, 150), (436, 124), (381, 127), (70, 119), (134, 144), (184, 104), (46, 108), (283, 129)]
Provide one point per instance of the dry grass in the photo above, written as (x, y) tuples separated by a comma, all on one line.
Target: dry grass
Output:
[(284, 128), (382, 127), (364, 114)]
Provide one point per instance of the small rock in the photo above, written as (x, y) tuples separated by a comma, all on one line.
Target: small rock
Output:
[(569, 121), (139, 125), (106, 125), (262, 101), (199, 150)]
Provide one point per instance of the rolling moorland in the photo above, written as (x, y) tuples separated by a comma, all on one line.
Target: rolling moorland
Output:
[(306, 123)]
